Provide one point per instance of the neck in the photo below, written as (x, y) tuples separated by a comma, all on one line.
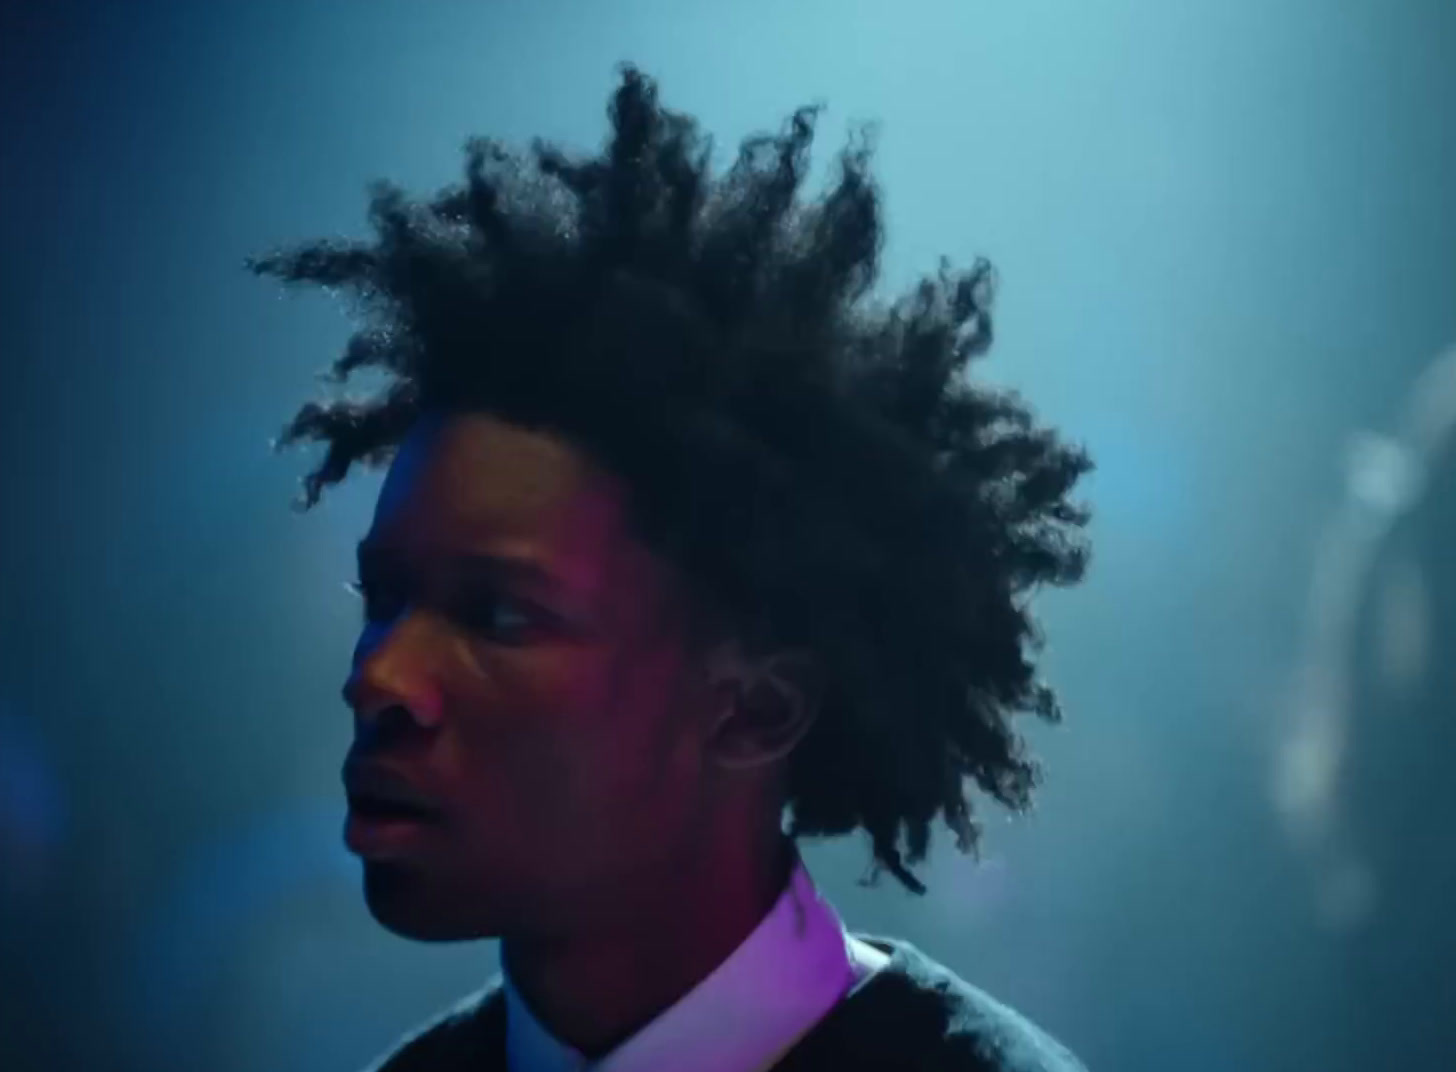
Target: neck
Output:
[(593, 991)]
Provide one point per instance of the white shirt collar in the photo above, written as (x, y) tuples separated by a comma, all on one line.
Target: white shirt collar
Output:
[(780, 981)]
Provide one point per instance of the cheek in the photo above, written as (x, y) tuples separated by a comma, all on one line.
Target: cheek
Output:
[(581, 744), (628, 735)]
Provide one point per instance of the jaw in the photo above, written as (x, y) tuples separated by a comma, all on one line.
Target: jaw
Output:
[(409, 901)]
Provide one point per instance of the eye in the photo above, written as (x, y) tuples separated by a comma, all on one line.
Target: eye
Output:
[(498, 618)]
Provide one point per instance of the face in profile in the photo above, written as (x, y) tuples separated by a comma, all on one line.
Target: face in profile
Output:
[(525, 702)]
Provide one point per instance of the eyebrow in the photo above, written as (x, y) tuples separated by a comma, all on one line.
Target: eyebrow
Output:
[(514, 568)]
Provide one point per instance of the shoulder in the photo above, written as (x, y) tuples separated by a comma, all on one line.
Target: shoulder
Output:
[(963, 1028), (468, 1035)]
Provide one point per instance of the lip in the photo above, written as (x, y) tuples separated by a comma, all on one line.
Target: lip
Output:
[(386, 838), (389, 816), (373, 783)]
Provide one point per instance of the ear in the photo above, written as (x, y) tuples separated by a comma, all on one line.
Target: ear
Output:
[(768, 704)]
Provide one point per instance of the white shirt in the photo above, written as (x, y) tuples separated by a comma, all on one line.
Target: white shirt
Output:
[(750, 1010)]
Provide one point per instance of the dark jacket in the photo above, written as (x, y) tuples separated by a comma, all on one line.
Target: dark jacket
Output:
[(913, 1014)]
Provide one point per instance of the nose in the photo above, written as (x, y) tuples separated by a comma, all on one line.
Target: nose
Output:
[(393, 670)]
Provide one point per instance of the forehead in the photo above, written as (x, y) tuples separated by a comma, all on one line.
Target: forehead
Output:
[(475, 482)]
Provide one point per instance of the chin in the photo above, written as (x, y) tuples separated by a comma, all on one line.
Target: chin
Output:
[(415, 904)]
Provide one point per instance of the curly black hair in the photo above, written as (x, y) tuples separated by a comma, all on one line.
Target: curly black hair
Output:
[(814, 460)]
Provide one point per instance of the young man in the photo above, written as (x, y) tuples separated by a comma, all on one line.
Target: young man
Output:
[(682, 537)]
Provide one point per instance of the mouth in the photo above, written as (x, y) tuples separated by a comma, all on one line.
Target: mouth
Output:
[(388, 817), (385, 830), (380, 809)]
